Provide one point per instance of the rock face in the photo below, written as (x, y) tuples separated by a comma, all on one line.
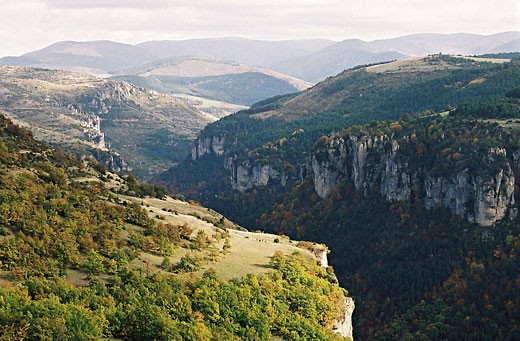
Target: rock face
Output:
[(112, 160), (369, 162), (208, 145), (491, 197), (344, 326), (374, 165), (321, 255), (245, 176), (379, 165)]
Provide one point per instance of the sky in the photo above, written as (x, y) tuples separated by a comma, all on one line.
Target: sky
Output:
[(28, 25)]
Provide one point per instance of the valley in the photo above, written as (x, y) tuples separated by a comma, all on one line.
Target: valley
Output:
[(86, 115), (87, 254), (276, 174), (407, 169)]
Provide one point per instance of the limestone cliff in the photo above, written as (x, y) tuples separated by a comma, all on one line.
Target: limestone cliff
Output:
[(208, 145), (475, 182), (245, 175), (110, 159), (375, 164), (342, 325), (491, 198), (321, 255)]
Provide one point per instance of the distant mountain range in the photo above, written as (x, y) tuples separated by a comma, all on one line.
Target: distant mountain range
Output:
[(203, 68), (335, 58), (311, 60), (253, 52), (98, 57)]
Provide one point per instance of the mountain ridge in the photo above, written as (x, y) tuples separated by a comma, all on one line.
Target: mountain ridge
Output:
[(211, 78), (315, 66), (242, 50), (203, 66), (298, 55)]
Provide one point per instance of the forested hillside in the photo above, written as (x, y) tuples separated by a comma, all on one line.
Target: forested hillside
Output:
[(86, 255), (419, 270), (271, 142), (400, 167)]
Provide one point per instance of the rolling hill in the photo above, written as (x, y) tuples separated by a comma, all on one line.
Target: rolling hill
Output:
[(458, 43), (311, 60), (87, 115), (96, 57), (212, 78), (194, 68), (387, 90), (246, 51), (332, 60)]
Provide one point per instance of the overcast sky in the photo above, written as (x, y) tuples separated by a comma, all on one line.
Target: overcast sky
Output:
[(27, 25)]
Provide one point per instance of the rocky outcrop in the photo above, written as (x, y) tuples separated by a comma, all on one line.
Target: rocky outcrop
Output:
[(112, 160), (491, 198), (453, 192), (245, 176), (369, 162), (343, 326), (321, 252), (328, 167), (373, 164), (208, 145), (378, 165)]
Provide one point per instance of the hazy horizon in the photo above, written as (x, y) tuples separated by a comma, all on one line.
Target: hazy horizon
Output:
[(130, 21), (253, 39)]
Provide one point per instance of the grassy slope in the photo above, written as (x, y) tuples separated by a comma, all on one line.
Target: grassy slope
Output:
[(67, 235), (238, 88), (204, 67), (355, 90), (250, 251), (211, 107)]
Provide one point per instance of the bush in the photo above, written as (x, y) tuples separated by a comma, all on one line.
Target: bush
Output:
[(188, 263)]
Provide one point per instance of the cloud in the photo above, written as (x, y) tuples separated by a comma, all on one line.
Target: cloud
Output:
[(132, 21), (74, 4)]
